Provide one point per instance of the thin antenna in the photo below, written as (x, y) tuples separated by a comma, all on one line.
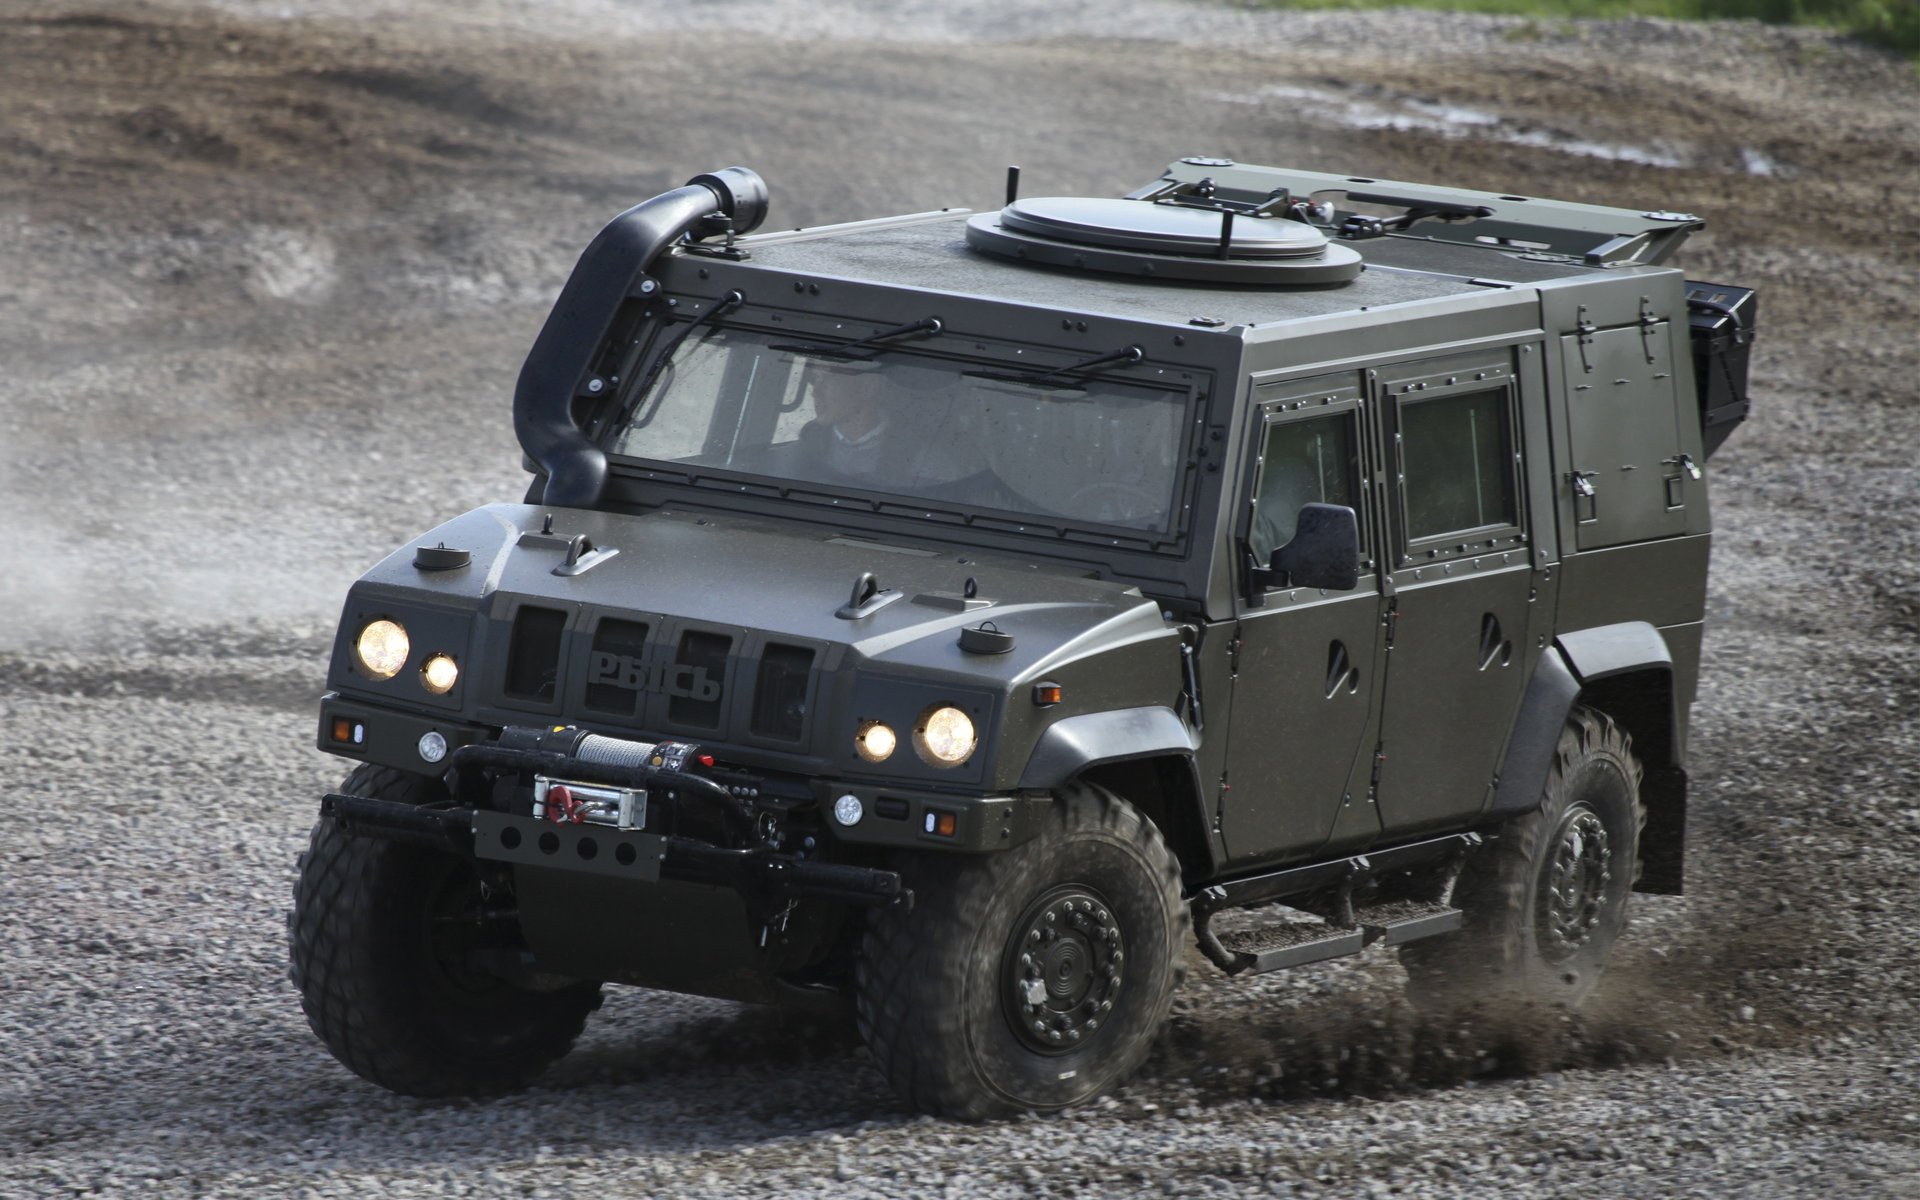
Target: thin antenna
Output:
[(1013, 184)]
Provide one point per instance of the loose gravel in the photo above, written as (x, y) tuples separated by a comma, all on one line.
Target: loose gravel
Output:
[(268, 271)]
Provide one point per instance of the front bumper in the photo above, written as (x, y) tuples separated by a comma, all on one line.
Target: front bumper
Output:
[(760, 873)]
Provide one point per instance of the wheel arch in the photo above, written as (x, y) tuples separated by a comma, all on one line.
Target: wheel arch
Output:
[(1143, 755), (1626, 672)]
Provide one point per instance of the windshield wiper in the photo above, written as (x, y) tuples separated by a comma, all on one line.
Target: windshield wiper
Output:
[(1125, 356), (639, 393), (843, 350)]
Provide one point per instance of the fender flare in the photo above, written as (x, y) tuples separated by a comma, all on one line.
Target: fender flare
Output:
[(1573, 662), (1074, 744), (1607, 650)]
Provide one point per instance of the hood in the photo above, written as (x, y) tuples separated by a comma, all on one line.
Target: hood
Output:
[(720, 629), (773, 579)]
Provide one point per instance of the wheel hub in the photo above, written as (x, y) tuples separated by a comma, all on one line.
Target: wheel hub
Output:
[(1577, 879), (1062, 970)]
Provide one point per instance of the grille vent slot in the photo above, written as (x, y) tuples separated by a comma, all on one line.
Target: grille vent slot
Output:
[(605, 692), (533, 661), (780, 692), (708, 651)]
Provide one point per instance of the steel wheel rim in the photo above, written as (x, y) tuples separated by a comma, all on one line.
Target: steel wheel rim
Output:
[(1062, 969), (1578, 874)]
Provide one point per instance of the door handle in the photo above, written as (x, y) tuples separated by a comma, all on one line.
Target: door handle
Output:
[(1685, 463)]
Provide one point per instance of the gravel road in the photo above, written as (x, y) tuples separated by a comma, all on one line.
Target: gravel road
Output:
[(266, 273)]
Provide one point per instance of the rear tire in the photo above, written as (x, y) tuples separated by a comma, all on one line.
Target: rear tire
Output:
[(378, 938), (1079, 932), (1546, 900)]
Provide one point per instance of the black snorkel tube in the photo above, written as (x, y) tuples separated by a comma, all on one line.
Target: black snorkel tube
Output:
[(605, 276)]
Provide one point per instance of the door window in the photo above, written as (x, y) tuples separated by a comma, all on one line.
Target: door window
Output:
[(1311, 461), (1457, 464)]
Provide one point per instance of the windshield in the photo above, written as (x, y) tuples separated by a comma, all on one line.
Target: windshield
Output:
[(1065, 453)]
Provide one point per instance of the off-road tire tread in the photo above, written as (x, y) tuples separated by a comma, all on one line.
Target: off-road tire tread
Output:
[(902, 974), (1494, 886), (333, 899)]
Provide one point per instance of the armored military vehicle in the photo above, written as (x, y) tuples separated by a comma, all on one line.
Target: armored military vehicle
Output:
[(963, 616)]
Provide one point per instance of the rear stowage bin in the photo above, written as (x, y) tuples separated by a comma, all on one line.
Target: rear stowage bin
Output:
[(1722, 322)]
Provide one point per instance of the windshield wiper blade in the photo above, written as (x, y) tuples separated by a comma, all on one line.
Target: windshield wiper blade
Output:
[(634, 398), (843, 350), (1125, 356)]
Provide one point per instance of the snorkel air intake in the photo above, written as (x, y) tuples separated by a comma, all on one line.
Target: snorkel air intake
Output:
[(605, 276)]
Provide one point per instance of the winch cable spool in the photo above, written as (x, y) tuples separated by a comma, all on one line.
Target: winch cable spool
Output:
[(602, 280), (569, 752), (1174, 241)]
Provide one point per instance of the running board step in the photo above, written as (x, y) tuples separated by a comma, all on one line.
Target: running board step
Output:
[(1397, 924), (1293, 944), (1276, 947)]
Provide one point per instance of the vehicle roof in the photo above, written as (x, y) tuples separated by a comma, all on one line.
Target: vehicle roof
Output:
[(929, 253)]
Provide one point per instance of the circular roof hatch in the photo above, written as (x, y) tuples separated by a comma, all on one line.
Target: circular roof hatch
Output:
[(1166, 241)]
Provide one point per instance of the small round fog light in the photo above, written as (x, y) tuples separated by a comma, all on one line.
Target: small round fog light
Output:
[(848, 810), (439, 673), (875, 741), (433, 747)]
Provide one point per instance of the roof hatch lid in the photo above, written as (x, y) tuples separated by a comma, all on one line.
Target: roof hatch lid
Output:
[(1153, 240)]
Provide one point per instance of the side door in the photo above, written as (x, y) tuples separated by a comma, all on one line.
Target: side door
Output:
[(1459, 591), (1301, 724)]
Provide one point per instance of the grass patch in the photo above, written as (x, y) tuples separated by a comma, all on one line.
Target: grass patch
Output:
[(1891, 23)]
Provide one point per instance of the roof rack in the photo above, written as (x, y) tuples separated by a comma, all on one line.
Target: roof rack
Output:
[(1590, 233)]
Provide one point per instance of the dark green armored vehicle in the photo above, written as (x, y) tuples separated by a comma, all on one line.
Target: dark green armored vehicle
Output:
[(957, 614)]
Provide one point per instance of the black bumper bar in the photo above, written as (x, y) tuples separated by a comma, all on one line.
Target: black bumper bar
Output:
[(757, 872)]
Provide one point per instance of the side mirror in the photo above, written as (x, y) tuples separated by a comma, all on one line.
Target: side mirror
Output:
[(1324, 552)]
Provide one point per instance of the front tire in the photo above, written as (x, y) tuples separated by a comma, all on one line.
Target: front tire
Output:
[(380, 935), (1030, 979), (1546, 900)]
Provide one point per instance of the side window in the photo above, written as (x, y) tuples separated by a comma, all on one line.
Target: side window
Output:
[(1457, 464), (1311, 461)]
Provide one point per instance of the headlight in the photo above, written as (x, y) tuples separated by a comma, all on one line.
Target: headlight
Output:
[(439, 673), (382, 648), (875, 741), (944, 736)]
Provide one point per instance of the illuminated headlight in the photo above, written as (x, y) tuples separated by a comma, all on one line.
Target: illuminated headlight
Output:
[(439, 673), (944, 736), (382, 647), (875, 741)]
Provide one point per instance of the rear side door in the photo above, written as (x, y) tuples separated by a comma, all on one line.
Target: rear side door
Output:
[(1459, 589), (1301, 723)]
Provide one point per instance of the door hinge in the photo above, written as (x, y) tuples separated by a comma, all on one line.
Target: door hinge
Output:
[(1190, 677), (1585, 329), (1392, 620), (1379, 761), (1649, 324), (1233, 654)]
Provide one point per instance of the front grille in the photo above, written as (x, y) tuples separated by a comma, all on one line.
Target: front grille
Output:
[(661, 678)]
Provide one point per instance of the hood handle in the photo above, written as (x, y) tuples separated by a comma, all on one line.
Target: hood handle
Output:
[(867, 598)]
